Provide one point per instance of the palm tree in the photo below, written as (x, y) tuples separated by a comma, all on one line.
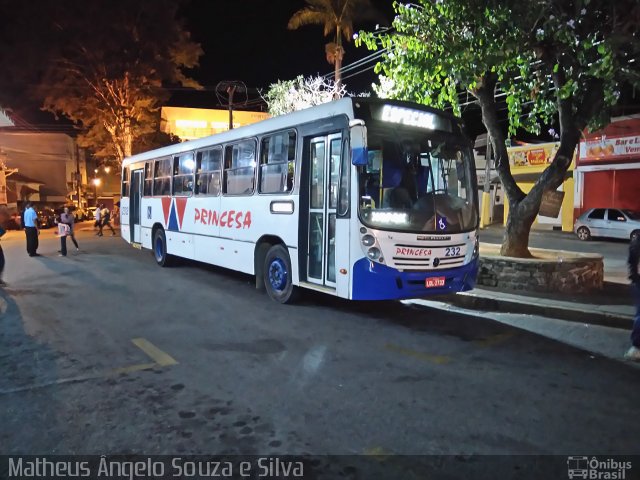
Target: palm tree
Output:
[(337, 16)]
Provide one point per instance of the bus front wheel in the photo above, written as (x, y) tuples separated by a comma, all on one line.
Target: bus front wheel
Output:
[(277, 275), (160, 248)]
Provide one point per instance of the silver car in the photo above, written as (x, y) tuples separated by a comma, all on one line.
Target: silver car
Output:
[(608, 222)]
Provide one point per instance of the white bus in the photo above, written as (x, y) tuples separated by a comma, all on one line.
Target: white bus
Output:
[(360, 198)]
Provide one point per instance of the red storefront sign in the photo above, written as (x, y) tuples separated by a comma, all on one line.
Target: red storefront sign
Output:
[(619, 141)]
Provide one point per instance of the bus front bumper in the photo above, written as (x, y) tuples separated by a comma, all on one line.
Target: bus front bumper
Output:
[(373, 281)]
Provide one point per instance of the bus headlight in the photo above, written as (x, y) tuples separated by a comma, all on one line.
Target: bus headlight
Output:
[(368, 240), (374, 253)]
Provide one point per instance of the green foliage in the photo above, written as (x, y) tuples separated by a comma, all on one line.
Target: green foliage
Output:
[(542, 52), (153, 140), (548, 58), (336, 16)]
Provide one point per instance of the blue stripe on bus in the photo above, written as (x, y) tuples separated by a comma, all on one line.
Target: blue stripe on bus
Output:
[(173, 219), (373, 281)]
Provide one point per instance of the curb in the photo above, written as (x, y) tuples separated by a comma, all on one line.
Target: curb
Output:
[(473, 301)]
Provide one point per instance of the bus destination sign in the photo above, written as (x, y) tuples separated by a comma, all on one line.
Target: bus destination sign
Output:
[(413, 118)]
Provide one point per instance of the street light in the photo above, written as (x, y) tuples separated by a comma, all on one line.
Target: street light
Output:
[(96, 183)]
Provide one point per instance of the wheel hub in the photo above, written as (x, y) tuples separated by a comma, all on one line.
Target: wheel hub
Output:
[(158, 248), (278, 274)]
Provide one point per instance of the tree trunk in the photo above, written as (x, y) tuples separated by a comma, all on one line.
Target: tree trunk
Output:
[(338, 63), (521, 215), (516, 234)]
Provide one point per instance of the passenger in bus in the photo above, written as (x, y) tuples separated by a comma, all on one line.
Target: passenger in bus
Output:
[(372, 189), (406, 193), (399, 197)]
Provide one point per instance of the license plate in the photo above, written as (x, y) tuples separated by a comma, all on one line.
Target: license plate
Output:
[(434, 282)]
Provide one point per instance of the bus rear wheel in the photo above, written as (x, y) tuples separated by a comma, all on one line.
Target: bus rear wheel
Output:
[(277, 275), (160, 248)]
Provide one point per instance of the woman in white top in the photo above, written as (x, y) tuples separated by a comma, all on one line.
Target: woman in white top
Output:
[(67, 218)]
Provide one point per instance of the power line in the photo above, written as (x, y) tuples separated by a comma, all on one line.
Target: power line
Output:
[(354, 65)]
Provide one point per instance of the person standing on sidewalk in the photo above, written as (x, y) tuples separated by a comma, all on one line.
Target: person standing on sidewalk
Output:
[(31, 230), (634, 275), (66, 218)]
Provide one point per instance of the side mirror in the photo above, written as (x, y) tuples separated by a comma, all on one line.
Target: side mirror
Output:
[(359, 153)]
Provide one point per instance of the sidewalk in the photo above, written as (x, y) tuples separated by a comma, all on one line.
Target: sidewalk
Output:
[(612, 307)]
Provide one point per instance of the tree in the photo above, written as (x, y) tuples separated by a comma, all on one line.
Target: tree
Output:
[(106, 64), (337, 17), (290, 95), (552, 60)]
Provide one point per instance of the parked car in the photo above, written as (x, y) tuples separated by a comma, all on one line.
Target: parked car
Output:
[(46, 217), (91, 213), (607, 222), (14, 222)]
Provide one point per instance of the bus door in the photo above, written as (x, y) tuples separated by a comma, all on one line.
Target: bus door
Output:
[(324, 178), (134, 206)]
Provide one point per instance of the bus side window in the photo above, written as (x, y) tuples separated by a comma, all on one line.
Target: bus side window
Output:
[(277, 162), (162, 177), (148, 179), (208, 164), (183, 167), (240, 167), (125, 182)]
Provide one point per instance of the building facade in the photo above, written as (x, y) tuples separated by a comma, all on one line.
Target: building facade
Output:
[(46, 168), (191, 123), (608, 167)]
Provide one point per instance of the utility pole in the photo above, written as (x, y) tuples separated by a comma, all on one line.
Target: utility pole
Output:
[(486, 191), (230, 87), (231, 90), (78, 177)]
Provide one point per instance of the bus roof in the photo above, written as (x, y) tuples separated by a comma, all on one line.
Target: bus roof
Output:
[(342, 106)]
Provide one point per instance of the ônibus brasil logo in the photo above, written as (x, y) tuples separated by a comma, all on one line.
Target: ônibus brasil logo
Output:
[(595, 468)]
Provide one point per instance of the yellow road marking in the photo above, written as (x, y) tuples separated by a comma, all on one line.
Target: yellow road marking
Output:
[(158, 356), (378, 452), (437, 359), (494, 339)]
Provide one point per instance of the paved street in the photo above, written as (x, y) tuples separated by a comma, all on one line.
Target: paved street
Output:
[(104, 352)]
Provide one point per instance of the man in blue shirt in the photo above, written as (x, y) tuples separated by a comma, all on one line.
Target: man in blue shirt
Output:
[(634, 275), (31, 230)]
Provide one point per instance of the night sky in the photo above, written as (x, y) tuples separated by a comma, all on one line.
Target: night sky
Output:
[(243, 40), (248, 40)]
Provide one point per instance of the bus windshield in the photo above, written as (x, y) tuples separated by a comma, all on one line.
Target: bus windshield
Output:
[(418, 184)]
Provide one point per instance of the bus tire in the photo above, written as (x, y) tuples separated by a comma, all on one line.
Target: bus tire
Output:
[(159, 248), (277, 275)]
